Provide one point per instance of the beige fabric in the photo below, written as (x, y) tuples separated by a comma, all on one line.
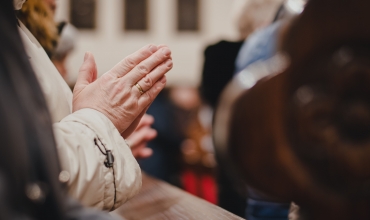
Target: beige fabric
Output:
[(89, 180), (18, 4), (294, 212), (251, 15)]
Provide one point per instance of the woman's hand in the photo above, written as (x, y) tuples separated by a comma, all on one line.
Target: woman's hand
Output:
[(141, 136), (124, 93)]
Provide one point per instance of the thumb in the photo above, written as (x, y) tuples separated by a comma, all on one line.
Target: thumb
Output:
[(87, 73)]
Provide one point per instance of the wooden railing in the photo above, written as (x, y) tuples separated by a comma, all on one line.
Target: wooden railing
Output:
[(159, 200)]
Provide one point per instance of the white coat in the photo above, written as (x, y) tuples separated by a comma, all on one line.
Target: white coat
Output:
[(82, 162)]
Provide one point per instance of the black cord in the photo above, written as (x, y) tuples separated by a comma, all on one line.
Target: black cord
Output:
[(115, 191), (109, 164), (96, 143)]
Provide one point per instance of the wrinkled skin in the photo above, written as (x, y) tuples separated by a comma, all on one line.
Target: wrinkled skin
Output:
[(115, 95), (152, 67)]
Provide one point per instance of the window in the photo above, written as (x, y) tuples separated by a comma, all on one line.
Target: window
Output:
[(83, 13), (136, 15), (188, 15)]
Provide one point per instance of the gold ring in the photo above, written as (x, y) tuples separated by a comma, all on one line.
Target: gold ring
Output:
[(139, 88)]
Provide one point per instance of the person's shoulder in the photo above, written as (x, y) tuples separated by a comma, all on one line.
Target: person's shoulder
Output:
[(269, 31), (224, 43), (223, 46)]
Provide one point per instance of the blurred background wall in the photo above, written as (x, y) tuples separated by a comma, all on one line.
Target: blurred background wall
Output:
[(110, 42)]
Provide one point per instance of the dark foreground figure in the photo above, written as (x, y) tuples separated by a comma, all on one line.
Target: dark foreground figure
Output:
[(29, 166)]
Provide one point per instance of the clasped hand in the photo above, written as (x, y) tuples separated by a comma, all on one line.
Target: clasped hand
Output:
[(115, 94)]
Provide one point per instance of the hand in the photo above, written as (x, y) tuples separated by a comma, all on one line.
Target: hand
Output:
[(115, 94), (141, 136), (134, 124)]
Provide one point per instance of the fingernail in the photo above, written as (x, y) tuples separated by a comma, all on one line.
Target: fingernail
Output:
[(166, 51), (86, 56), (168, 63), (153, 48)]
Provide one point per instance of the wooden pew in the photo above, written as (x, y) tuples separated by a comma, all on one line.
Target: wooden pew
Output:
[(159, 200)]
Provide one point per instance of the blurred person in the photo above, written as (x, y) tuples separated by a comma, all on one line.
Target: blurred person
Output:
[(65, 45), (262, 44), (165, 163), (29, 166), (251, 15), (218, 70), (90, 125), (57, 39), (51, 4), (38, 16), (174, 111), (181, 152), (198, 161), (259, 47)]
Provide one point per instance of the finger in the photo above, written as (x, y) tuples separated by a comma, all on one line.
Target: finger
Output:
[(136, 151), (133, 125), (129, 63), (141, 137), (147, 65), (144, 153), (87, 73), (147, 98), (146, 120), (161, 46), (148, 81)]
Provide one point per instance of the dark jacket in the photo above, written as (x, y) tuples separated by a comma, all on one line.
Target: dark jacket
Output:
[(218, 69), (29, 166)]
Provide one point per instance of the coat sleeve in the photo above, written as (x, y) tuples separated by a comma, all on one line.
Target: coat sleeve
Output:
[(83, 139)]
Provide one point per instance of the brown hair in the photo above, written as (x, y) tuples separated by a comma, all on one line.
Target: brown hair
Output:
[(39, 19)]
